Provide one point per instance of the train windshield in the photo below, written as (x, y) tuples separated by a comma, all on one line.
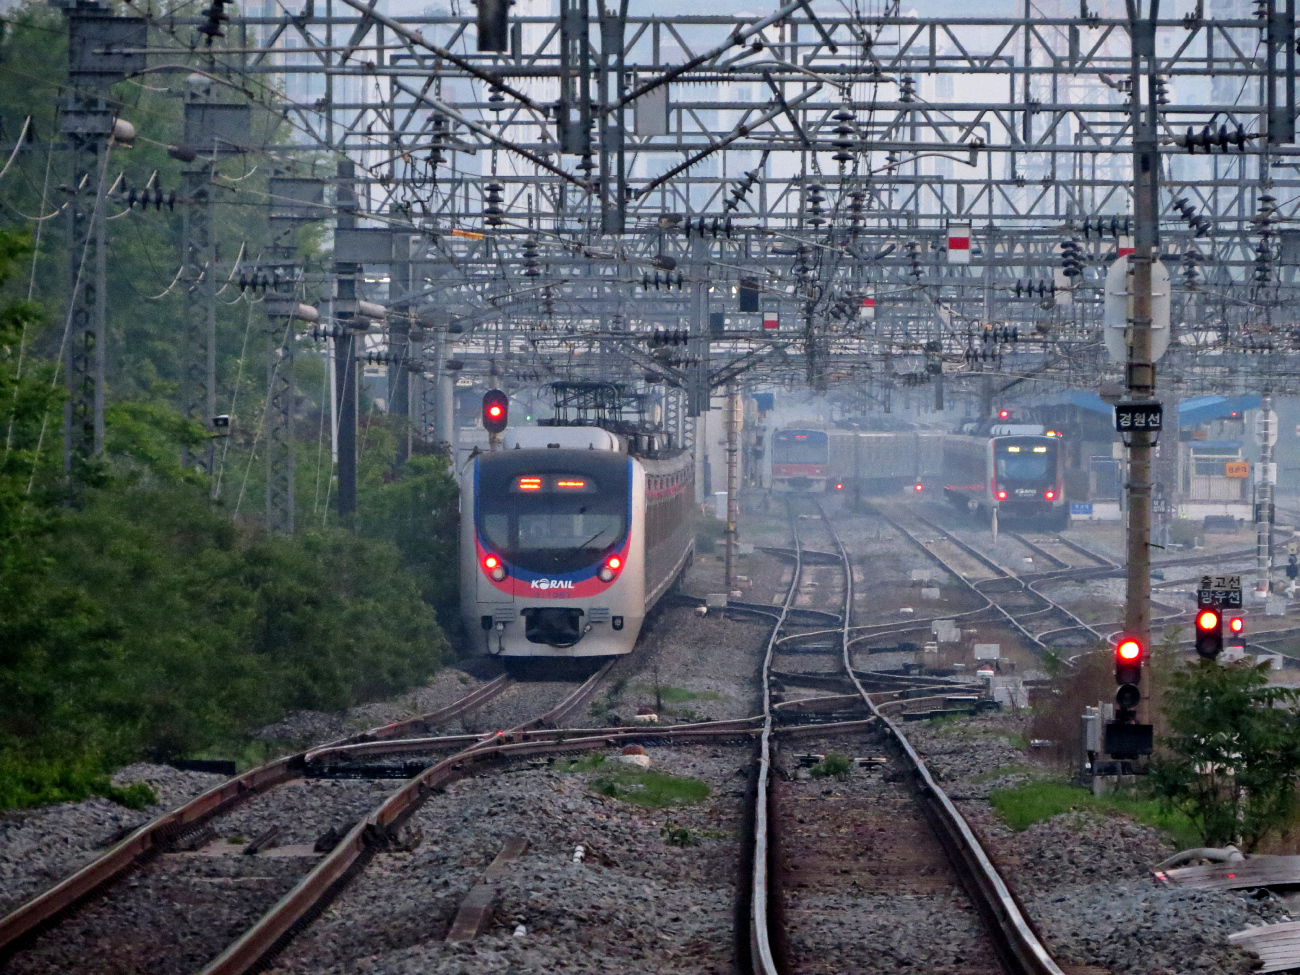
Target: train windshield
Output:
[(546, 515), (1025, 460), (799, 447)]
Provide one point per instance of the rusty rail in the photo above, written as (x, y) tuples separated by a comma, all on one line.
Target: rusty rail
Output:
[(1018, 946), (760, 939), (157, 834), (313, 893)]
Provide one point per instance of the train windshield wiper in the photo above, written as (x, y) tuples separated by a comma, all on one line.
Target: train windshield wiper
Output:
[(579, 548)]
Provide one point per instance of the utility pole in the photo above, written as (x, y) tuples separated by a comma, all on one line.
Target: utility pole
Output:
[(399, 343), (1265, 478), (280, 440), (87, 123), (96, 40), (345, 348), (199, 278), (1140, 370), (735, 418)]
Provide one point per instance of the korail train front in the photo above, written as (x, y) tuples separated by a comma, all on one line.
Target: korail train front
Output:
[(552, 545)]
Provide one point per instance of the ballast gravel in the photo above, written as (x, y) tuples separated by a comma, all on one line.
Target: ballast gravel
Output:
[(632, 901), (1085, 877), (39, 847)]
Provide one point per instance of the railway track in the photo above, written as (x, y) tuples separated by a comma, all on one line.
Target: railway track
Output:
[(45, 914), (169, 830), (907, 838)]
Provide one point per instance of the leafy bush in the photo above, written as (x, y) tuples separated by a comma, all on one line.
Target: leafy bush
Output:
[(835, 764), (1232, 752), (709, 533)]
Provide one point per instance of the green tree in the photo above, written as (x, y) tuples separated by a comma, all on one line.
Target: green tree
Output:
[(418, 511), (1233, 751)]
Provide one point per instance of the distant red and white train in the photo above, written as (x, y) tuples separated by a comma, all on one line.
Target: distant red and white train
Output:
[(800, 460), (568, 541)]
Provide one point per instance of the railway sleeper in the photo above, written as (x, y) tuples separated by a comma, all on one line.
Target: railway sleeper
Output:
[(384, 770)]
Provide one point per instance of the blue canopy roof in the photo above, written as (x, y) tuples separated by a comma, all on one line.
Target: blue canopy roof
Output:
[(1191, 412), (1206, 409)]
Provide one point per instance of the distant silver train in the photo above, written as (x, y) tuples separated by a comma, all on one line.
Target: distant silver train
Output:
[(567, 541)]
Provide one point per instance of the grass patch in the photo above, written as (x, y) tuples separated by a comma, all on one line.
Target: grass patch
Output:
[(25, 785), (1023, 805), (588, 763), (653, 790), (679, 695)]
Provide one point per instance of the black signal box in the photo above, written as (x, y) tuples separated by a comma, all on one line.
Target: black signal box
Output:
[(1128, 740)]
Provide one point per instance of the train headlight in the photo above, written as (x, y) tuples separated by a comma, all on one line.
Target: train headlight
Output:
[(610, 568), (494, 568)]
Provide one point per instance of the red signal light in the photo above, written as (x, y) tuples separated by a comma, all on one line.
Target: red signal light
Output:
[(1003, 414), (1002, 495), (1049, 495), (1236, 624), (496, 411), (1128, 671), (919, 488), (1129, 650), (839, 485), (1207, 619)]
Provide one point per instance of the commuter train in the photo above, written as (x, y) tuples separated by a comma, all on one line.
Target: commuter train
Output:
[(869, 463), (800, 459), (568, 541), (1015, 470)]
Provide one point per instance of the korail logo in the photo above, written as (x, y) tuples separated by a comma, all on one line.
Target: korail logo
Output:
[(551, 584)]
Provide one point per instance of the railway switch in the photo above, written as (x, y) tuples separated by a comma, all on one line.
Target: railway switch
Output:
[(1209, 633)]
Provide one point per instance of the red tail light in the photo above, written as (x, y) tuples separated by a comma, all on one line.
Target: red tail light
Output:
[(1050, 495), (1002, 495), (610, 568), (494, 568)]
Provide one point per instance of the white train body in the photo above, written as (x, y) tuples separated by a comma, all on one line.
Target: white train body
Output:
[(567, 542)]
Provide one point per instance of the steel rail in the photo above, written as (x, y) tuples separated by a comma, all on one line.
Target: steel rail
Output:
[(159, 833), (313, 892), (1018, 946), (1025, 584), (1040, 551), (762, 962), (899, 526)]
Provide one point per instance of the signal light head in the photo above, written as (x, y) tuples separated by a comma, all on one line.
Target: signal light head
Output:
[(1129, 650), (1207, 619), (496, 411)]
